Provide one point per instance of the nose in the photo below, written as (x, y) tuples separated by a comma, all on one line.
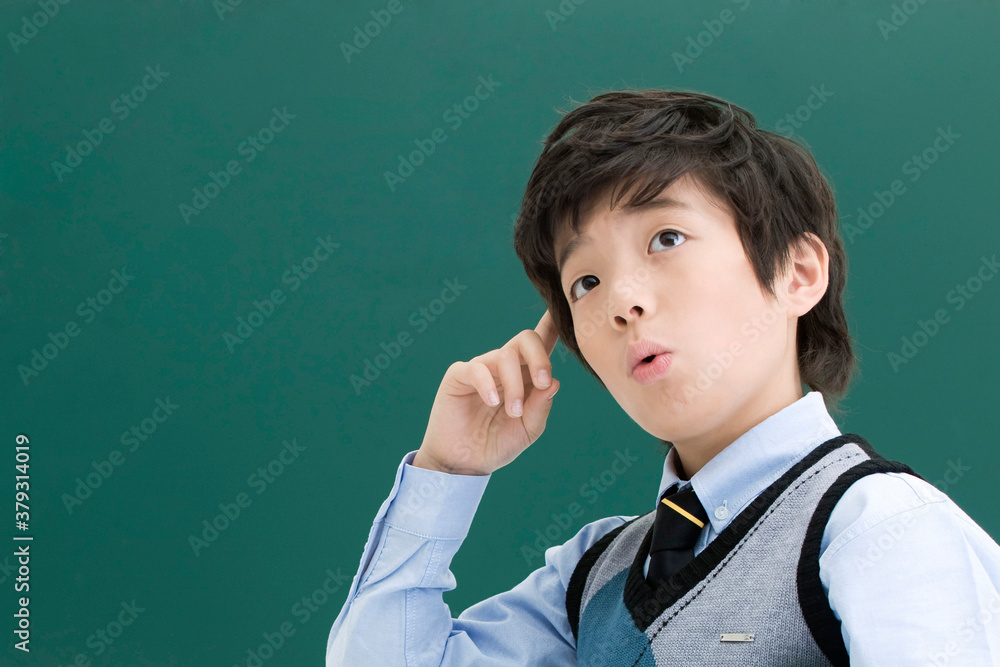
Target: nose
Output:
[(627, 304), (626, 318)]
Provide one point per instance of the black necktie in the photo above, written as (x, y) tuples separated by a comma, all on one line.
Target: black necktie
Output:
[(676, 526)]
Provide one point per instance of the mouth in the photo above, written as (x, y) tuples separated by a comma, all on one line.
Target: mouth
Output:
[(644, 353), (653, 368)]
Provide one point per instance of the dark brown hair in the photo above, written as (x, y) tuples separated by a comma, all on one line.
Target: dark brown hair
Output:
[(642, 141)]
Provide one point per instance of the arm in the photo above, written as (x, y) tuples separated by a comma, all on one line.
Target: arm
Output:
[(913, 580), (397, 615)]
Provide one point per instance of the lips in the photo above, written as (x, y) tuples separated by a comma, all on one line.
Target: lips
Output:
[(640, 350)]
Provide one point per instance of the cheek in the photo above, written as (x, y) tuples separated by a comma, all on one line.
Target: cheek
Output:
[(754, 327), (592, 340), (720, 316), (587, 330), (705, 313)]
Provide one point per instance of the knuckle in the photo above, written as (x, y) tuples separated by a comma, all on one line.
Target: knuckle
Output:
[(519, 338), (510, 354), (484, 372), (484, 359), (479, 369)]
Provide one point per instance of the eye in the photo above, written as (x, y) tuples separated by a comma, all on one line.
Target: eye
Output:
[(662, 234), (572, 291), (658, 238)]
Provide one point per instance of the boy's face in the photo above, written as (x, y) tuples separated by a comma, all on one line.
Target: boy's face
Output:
[(678, 275)]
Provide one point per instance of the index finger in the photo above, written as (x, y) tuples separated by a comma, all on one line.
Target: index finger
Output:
[(546, 329)]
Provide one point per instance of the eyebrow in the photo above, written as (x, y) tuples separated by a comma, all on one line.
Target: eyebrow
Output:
[(662, 202)]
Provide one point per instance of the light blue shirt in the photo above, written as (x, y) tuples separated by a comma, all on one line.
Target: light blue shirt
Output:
[(913, 579)]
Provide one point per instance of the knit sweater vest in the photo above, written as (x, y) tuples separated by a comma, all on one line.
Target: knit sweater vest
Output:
[(752, 597)]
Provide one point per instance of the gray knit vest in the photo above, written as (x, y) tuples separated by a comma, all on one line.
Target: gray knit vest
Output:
[(752, 597)]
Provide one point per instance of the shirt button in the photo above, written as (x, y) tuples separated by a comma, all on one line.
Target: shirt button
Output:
[(721, 512)]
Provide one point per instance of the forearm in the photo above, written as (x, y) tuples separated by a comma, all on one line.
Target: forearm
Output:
[(398, 615), (395, 612)]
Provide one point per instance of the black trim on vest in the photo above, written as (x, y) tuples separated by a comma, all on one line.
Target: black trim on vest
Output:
[(645, 604), (823, 624), (574, 590)]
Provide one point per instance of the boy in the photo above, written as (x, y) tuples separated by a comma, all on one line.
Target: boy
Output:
[(692, 264)]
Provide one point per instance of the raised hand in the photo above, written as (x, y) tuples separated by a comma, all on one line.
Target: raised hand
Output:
[(491, 408)]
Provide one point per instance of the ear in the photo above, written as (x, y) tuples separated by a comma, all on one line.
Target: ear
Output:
[(806, 278)]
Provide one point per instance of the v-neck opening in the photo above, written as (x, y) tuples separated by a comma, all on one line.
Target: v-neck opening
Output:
[(645, 603)]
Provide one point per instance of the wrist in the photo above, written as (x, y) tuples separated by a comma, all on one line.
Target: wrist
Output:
[(422, 460)]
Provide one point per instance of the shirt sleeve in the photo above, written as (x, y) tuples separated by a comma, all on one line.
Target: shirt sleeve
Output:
[(912, 578), (395, 613)]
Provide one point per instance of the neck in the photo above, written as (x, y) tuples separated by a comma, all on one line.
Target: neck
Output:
[(695, 453)]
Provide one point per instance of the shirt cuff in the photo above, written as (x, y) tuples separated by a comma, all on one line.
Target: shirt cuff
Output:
[(433, 504)]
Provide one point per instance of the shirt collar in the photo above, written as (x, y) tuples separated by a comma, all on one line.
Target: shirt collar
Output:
[(751, 463)]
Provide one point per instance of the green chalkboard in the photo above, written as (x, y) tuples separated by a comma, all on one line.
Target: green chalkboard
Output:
[(200, 246)]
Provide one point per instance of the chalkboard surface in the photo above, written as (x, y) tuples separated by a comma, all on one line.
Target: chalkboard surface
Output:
[(216, 216)]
